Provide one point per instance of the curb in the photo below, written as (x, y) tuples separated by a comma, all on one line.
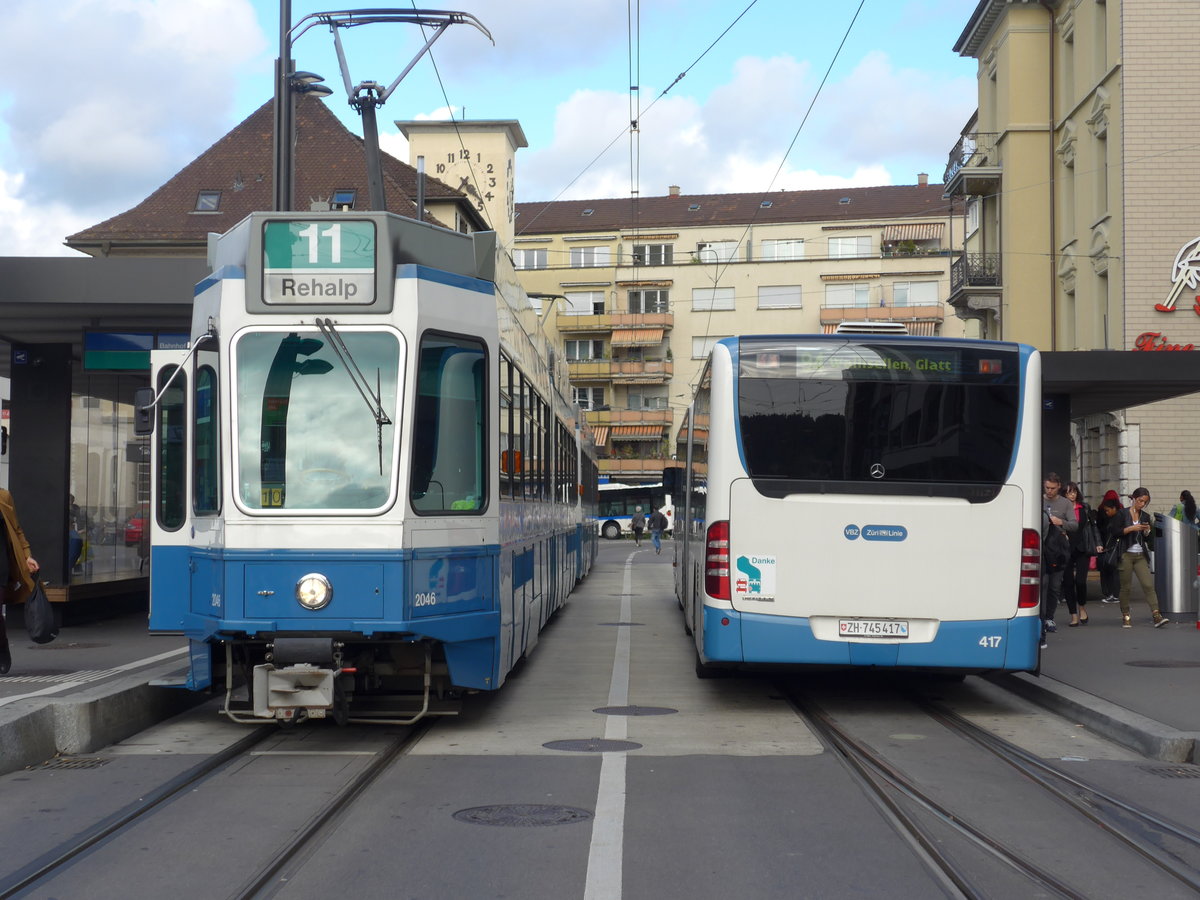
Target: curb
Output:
[(1129, 729), (39, 728)]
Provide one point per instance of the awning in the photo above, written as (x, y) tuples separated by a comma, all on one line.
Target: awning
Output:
[(924, 231), (926, 328), (600, 434), (637, 432), (637, 337)]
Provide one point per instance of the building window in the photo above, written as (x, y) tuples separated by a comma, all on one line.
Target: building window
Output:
[(840, 296), (779, 296), (590, 257), (702, 346), (716, 251), (915, 293), (208, 201), (784, 249), (589, 397), (849, 247), (649, 301), (972, 216), (708, 299), (652, 254), (580, 350), (584, 303), (650, 399), (530, 258)]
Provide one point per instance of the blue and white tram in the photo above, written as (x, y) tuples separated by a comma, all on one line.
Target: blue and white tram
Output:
[(862, 501), (369, 493)]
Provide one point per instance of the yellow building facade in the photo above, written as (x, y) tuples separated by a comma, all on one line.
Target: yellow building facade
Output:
[(1078, 176)]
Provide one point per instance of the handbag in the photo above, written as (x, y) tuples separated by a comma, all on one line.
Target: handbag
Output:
[(1111, 556), (39, 617)]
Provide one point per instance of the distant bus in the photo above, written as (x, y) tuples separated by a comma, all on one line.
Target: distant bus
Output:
[(618, 502)]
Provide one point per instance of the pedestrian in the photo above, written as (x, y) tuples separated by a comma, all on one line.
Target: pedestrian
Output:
[(1185, 509), (1060, 515), (638, 524), (1108, 523), (1085, 544), (17, 568), (1138, 541), (658, 524)]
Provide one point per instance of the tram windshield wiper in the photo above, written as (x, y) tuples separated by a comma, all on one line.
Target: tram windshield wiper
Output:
[(373, 398)]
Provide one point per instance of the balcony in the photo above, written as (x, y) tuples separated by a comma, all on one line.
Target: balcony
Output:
[(612, 321), (923, 320), (621, 371), (974, 166), (975, 283), (616, 468), (610, 417)]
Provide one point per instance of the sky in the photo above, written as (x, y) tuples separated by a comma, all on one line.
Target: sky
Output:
[(102, 101)]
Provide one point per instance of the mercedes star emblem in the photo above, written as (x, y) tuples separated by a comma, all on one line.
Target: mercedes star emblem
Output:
[(877, 470)]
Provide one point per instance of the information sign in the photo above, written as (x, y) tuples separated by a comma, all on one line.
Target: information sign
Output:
[(318, 262)]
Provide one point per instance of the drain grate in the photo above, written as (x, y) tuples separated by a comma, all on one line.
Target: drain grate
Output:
[(622, 624), (1173, 771), (74, 762), (593, 745), (522, 815), (1165, 663), (635, 711)]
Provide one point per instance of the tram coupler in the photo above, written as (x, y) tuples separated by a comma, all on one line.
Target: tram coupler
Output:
[(299, 680)]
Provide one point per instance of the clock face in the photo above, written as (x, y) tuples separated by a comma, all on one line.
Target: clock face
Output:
[(478, 178)]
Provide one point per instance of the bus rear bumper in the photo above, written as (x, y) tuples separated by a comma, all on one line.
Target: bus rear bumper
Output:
[(984, 645)]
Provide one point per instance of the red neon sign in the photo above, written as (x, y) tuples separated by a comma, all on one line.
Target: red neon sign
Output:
[(1155, 340)]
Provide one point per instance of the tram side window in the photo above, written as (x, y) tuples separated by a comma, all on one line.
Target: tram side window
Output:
[(206, 464), (509, 462), (450, 433), (172, 450)]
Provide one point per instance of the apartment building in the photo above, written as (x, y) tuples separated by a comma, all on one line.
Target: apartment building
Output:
[(1079, 179)]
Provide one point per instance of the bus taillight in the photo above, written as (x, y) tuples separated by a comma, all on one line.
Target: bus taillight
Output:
[(716, 561), (1030, 593)]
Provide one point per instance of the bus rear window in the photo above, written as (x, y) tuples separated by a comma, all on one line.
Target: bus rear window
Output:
[(890, 415)]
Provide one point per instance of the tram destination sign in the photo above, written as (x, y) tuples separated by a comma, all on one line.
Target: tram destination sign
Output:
[(318, 262)]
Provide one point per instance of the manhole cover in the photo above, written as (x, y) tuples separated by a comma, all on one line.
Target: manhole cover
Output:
[(74, 762), (621, 624), (1173, 771), (68, 645), (635, 710), (593, 745), (1165, 663), (522, 815)]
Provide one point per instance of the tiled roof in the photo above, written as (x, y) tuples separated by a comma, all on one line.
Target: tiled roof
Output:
[(885, 205), (328, 158)]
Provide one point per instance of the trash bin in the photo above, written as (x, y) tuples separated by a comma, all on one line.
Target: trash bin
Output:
[(1175, 579)]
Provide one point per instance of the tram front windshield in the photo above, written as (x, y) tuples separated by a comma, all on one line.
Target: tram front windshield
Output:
[(893, 417), (307, 437)]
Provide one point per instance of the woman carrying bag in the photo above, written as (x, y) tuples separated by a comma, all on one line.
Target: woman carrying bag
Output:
[(17, 568), (1085, 543), (1108, 524)]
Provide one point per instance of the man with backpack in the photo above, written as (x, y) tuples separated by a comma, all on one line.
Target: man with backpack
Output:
[(1058, 522)]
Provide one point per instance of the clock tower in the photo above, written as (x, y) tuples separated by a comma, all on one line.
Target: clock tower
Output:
[(475, 157)]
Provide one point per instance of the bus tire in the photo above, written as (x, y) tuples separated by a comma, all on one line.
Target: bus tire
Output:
[(611, 530)]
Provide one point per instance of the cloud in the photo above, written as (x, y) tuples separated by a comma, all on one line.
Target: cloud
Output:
[(879, 125), (28, 232), (106, 99)]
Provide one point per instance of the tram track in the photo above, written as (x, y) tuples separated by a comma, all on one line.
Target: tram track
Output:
[(922, 820), (273, 869)]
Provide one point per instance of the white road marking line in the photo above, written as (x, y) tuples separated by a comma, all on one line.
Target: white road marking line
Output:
[(80, 679), (606, 854)]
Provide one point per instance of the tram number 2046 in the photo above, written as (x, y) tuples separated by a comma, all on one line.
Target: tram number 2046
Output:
[(991, 641)]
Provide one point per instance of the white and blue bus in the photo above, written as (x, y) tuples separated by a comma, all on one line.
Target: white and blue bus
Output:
[(862, 500), (617, 504), (370, 492)]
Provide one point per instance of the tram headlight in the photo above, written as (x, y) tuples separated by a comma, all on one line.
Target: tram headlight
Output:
[(314, 591)]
